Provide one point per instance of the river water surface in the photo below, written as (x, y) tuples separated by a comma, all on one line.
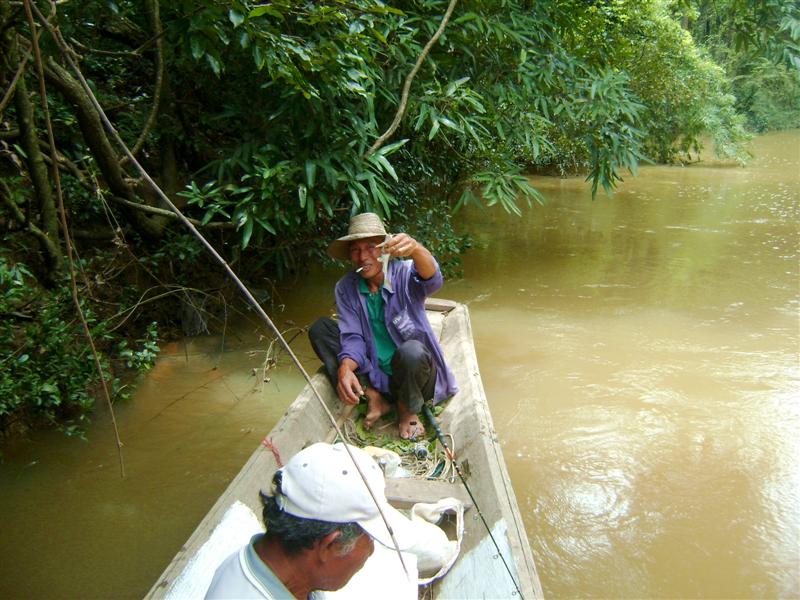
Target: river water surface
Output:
[(641, 355)]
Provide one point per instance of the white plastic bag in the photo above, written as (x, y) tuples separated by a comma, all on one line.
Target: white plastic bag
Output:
[(434, 551)]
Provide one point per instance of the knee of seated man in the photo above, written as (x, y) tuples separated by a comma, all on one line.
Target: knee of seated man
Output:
[(319, 328), (411, 352)]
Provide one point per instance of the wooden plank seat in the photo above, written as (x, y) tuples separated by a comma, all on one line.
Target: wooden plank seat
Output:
[(404, 492)]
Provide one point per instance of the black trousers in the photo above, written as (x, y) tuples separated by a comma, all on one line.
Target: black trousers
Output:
[(413, 378)]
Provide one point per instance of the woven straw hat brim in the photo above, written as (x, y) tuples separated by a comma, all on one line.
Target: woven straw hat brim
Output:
[(340, 248), (365, 225)]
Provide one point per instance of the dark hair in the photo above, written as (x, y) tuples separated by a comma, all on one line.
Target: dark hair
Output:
[(297, 533)]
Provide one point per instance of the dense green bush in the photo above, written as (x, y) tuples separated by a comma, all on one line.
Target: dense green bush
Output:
[(48, 374)]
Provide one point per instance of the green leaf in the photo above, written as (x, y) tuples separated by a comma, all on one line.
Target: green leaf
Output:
[(354, 86), (215, 65), (434, 129), (198, 46), (266, 225), (354, 196), (448, 123), (235, 17), (470, 16), (389, 148), (247, 232), (311, 214), (265, 9), (311, 173), (387, 165)]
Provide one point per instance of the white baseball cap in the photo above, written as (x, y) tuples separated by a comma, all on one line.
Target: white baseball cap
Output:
[(320, 482)]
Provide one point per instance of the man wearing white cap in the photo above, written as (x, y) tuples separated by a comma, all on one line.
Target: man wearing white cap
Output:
[(321, 522), (383, 346)]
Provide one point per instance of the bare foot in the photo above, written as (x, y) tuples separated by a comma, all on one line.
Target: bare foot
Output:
[(377, 406), (409, 423)]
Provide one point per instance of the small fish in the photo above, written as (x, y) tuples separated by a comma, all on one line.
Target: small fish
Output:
[(385, 258)]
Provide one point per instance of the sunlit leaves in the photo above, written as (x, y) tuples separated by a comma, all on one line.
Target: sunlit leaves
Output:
[(236, 18), (501, 92), (503, 188)]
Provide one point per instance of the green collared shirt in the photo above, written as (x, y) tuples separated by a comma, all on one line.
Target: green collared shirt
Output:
[(384, 344)]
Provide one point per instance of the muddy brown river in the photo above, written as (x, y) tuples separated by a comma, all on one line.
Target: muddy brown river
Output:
[(641, 355)]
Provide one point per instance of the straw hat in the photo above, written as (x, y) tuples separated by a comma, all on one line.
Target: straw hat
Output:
[(362, 226)]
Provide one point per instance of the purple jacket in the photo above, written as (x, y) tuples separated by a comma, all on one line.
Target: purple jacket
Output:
[(404, 301)]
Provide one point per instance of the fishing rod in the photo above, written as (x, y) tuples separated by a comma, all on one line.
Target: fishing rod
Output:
[(68, 54), (440, 436)]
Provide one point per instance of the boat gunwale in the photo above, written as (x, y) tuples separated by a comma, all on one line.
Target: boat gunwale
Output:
[(306, 416)]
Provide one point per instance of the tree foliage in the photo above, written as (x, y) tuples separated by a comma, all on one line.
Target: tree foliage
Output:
[(256, 118), (758, 45)]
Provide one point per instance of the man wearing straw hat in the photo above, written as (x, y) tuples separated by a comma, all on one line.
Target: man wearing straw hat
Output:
[(383, 347)]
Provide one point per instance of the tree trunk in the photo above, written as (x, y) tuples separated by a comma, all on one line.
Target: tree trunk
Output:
[(44, 223), (37, 168), (169, 162), (101, 148)]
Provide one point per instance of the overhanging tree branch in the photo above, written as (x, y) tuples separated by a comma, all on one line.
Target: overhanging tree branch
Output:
[(37, 169), (153, 210), (159, 84), (401, 110), (103, 152), (12, 86)]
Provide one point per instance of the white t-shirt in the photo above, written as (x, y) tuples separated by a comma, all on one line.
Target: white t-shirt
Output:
[(244, 576)]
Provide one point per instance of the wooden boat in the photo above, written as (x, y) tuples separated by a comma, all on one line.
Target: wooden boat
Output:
[(479, 571)]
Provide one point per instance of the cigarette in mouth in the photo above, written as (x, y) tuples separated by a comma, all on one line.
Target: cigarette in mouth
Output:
[(359, 269)]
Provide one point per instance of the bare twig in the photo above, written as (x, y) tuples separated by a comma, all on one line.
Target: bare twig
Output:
[(159, 84), (224, 329), (401, 110), (13, 85), (172, 290), (65, 227), (154, 210), (66, 164), (119, 53), (20, 217), (73, 169)]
